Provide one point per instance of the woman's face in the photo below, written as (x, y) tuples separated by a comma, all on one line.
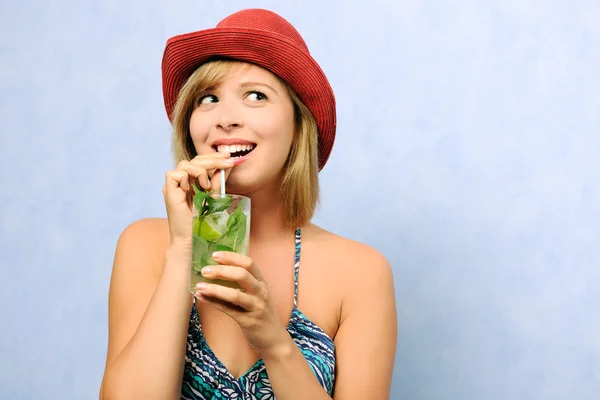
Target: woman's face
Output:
[(249, 114)]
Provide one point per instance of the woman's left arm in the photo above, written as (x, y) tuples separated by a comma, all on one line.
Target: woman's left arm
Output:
[(365, 341)]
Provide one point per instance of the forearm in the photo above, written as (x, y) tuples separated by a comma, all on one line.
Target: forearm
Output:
[(150, 366), (290, 375)]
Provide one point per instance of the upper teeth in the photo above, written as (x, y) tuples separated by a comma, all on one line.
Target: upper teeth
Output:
[(233, 148)]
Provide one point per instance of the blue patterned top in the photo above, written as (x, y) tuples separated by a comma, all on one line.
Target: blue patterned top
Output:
[(205, 377)]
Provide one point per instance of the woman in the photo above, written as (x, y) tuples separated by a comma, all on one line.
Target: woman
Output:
[(247, 97)]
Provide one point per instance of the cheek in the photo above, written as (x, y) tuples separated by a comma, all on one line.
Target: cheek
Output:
[(279, 131), (279, 143), (287, 136), (198, 130)]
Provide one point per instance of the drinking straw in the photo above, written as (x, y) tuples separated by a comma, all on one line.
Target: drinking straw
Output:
[(222, 182)]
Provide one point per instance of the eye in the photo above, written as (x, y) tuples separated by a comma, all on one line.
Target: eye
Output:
[(207, 99), (256, 96)]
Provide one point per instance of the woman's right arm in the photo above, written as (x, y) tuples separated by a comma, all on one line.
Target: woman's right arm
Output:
[(149, 305), (149, 298)]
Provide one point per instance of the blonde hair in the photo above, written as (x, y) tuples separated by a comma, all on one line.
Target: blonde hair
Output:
[(300, 182)]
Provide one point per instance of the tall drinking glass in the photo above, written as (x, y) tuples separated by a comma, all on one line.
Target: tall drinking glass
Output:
[(221, 222)]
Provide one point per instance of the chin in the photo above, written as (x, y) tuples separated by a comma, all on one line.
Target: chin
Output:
[(241, 183), (246, 182)]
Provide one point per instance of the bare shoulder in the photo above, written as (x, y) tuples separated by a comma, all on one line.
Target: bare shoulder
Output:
[(155, 230), (349, 258), (139, 257), (148, 238), (342, 265)]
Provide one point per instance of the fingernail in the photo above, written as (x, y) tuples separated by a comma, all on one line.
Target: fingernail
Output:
[(229, 160), (201, 286), (206, 270), (217, 254)]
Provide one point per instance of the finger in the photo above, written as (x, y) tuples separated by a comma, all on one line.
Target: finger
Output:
[(213, 163), (239, 260), (213, 155), (232, 273), (196, 173), (176, 179), (227, 294), (203, 169)]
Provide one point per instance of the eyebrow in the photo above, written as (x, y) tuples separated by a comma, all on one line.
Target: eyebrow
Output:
[(251, 83), (243, 85)]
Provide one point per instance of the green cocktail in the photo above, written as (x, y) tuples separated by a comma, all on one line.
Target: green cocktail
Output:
[(220, 223)]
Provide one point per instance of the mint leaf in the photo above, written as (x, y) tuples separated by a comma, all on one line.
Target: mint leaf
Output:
[(197, 267), (196, 225), (240, 234), (196, 187), (222, 247), (218, 204), (199, 199), (224, 242), (199, 251), (205, 260), (235, 217), (199, 244), (236, 229)]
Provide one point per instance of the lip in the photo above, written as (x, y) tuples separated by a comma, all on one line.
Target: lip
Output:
[(239, 160), (230, 141), (234, 141)]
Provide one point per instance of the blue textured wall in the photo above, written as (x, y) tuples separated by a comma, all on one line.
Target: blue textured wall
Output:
[(467, 151)]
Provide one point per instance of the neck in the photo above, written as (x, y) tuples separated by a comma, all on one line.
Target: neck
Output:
[(267, 217)]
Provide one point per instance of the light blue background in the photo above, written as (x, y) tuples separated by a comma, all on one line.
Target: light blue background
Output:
[(467, 151)]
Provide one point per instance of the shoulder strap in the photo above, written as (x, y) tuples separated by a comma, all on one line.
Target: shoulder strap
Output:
[(297, 264)]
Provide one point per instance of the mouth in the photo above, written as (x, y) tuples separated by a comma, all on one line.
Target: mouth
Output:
[(235, 150)]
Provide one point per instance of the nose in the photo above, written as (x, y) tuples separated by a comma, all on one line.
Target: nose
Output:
[(229, 117)]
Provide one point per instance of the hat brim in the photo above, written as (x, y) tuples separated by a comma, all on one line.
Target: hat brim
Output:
[(272, 51)]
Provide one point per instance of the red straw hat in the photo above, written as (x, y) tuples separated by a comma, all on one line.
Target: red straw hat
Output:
[(263, 38)]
